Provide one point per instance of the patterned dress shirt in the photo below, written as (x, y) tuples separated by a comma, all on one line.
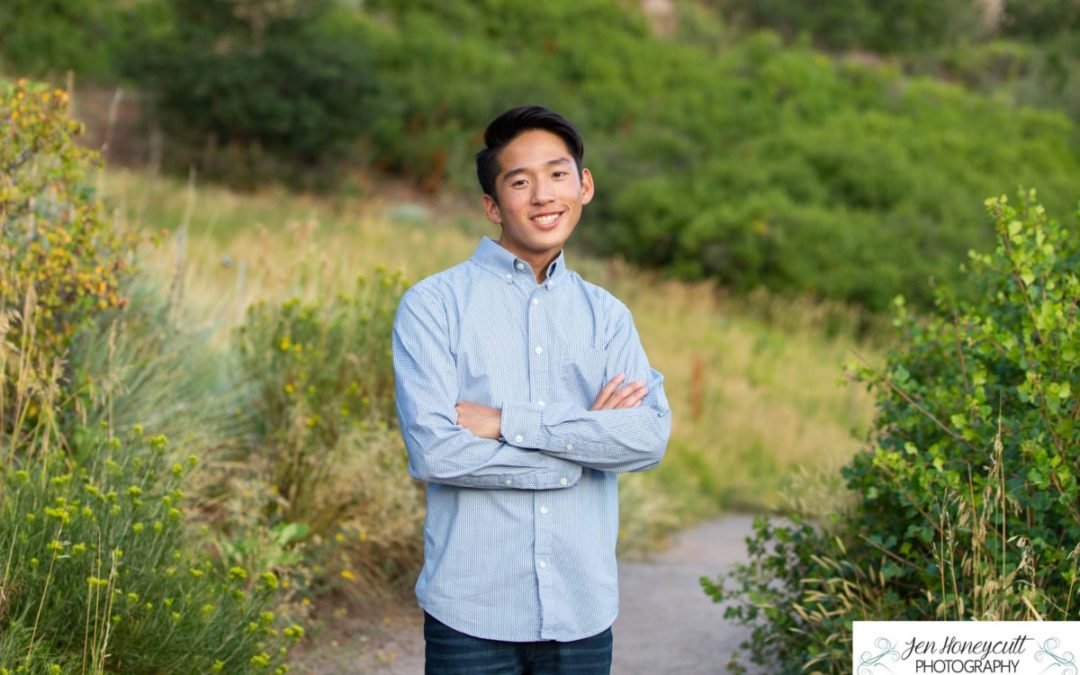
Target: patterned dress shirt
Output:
[(519, 537)]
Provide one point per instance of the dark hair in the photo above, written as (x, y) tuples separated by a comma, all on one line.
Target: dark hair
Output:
[(507, 126)]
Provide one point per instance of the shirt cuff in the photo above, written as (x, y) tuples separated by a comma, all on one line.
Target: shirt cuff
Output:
[(520, 425)]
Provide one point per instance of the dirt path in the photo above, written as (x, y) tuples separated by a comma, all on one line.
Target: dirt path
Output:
[(666, 624)]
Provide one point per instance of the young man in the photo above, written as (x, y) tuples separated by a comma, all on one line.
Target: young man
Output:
[(522, 391)]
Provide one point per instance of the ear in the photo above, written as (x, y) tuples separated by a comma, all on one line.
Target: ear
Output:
[(491, 209), (587, 187)]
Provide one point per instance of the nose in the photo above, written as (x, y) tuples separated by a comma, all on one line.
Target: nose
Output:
[(542, 192)]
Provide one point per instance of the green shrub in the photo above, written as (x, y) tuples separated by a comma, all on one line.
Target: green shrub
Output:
[(873, 25), (1041, 19), (54, 238), (326, 460), (51, 37), (252, 87), (967, 504)]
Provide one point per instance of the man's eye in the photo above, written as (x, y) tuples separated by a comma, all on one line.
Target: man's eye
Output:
[(559, 174), (518, 183)]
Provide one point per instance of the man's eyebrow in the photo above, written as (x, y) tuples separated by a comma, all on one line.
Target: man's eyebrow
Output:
[(551, 162)]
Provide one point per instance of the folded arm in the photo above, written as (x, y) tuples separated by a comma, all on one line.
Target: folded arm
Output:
[(441, 450), (603, 437)]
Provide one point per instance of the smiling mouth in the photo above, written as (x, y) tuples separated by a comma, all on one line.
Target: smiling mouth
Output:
[(546, 219)]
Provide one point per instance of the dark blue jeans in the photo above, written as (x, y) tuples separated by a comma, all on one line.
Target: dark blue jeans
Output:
[(449, 652)]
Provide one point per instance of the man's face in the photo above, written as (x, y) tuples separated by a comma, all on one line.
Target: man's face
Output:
[(540, 196)]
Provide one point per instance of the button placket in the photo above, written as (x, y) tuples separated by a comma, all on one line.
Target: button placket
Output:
[(542, 554)]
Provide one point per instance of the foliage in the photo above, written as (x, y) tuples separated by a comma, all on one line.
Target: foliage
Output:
[(153, 363), (968, 505), (1041, 19), (326, 449), (265, 82), (746, 161), (49, 37), (734, 157), (875, 25), (55, 238), (98, 570), (99, 573), (837, 179)]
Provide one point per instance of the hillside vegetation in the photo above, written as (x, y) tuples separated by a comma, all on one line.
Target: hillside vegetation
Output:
[(722, 153)]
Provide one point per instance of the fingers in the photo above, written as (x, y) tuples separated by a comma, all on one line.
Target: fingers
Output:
[(629, 396), (612, 397), (607, 391)]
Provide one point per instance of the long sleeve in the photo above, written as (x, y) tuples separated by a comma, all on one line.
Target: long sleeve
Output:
[(440, 450), (632, 439)]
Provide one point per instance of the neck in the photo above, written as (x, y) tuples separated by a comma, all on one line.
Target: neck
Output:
[(538, 264)]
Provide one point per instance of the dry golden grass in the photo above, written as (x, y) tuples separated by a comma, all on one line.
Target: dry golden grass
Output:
[(761, 408)]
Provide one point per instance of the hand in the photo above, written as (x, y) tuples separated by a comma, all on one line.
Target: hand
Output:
[(481, 420), (611, 397)]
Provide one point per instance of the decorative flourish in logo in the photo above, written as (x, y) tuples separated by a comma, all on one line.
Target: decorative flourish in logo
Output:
[(1065, 661), (868, 661)]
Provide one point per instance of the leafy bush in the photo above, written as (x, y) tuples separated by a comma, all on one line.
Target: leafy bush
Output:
[(968, 502), (326, 459), (54, 238), (50, 37), (269, 83), (1040, 19)]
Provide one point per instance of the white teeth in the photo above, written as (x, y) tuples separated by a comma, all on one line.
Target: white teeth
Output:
[(547, 220)]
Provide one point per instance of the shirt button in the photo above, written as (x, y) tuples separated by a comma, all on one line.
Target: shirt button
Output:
[(519, 265), (543, 509), (519, 438), (569, 446), (539, 350), (563, 481), (509, 482), (509, 278), (542, 564), (536, 301), (540, 403)]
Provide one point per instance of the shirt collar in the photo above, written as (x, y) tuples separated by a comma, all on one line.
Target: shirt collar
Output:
[(502, 262)]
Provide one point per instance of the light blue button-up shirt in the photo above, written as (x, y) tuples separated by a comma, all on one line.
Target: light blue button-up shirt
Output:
[(519, 537)]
